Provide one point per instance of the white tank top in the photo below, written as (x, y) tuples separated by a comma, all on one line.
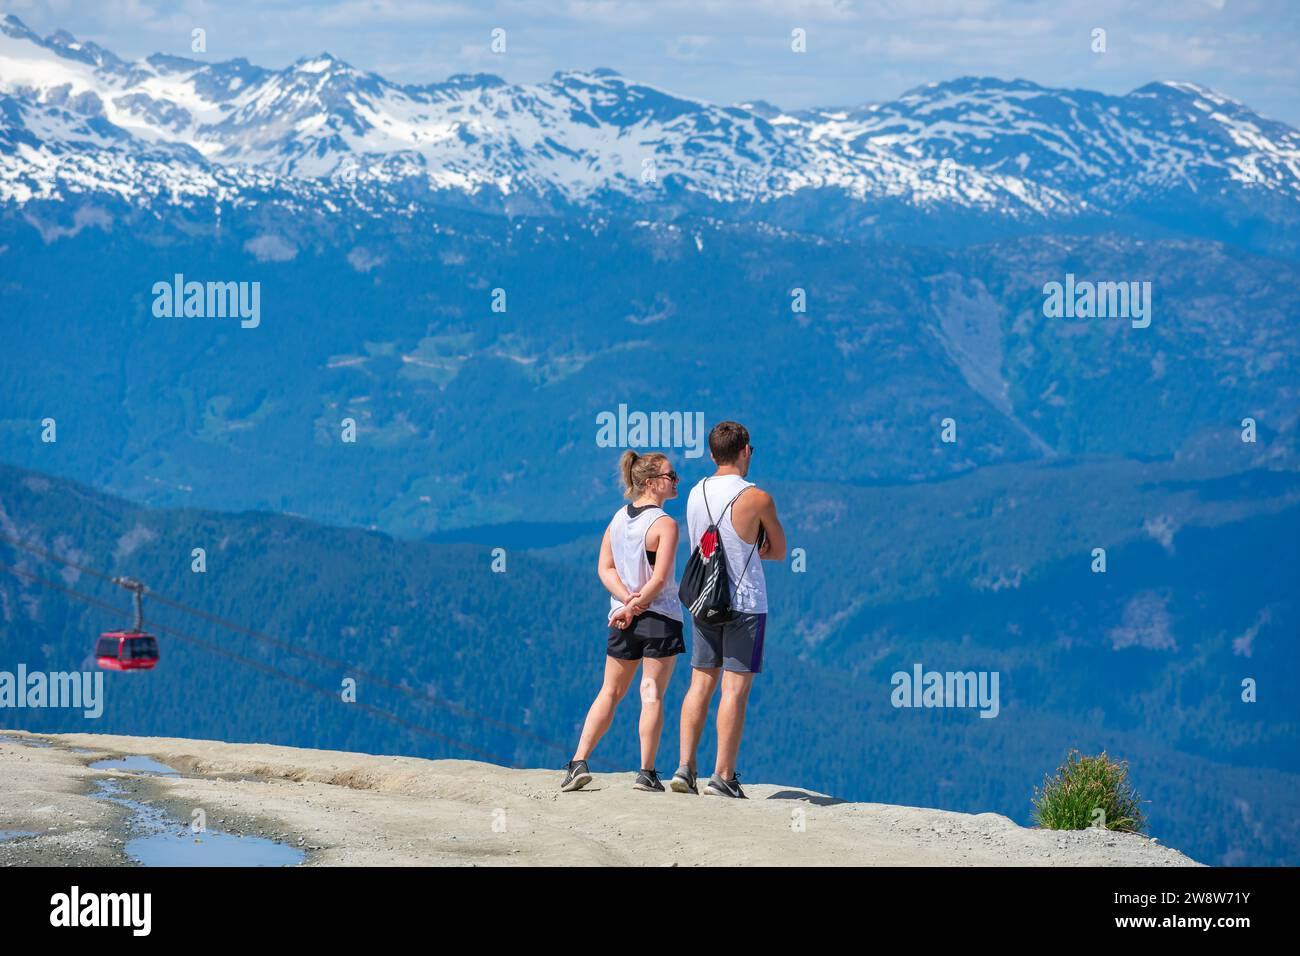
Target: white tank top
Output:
[(749, 593), (627, 541)]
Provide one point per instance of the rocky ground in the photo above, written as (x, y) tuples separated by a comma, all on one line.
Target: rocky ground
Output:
[(350, 809)]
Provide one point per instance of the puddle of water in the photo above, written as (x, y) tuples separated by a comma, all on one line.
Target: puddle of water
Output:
[(22, 741), (161, 840), (134, 764), (15, 834), (211, 849)]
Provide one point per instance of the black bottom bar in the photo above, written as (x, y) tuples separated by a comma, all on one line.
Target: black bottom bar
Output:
[(333, 906)]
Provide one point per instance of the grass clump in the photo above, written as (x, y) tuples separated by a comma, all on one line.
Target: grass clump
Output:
[(1082, 786)]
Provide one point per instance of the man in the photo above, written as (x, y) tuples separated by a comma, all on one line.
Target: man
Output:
[(748, 526)]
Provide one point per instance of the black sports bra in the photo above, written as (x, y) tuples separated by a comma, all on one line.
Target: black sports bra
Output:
[(632, 512)]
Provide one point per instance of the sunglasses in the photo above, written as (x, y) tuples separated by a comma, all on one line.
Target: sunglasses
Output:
[(670, 475)]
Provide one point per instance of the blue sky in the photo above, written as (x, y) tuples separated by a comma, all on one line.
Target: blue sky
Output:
[(731, 52)]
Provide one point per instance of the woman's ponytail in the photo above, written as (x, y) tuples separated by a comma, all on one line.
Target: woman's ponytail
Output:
[(625, 464), (635, 470)]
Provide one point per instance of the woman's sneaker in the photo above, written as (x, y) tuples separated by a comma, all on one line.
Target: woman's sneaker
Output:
[(725, 788), (684, 781), (576, 776), (648, 780)]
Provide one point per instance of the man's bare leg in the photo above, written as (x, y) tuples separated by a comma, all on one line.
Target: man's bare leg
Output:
[(731, 720), (695, 710)]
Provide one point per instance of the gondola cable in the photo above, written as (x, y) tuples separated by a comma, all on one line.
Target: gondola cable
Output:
[(266, 669), (304, 653)]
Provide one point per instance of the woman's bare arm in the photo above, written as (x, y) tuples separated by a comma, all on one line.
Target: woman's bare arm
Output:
[(609, 573), (664, 530)]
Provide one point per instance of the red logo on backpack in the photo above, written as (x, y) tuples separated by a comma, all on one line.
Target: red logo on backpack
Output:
[(708, 543)]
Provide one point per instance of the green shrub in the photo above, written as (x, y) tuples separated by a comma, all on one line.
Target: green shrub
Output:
[(1082, 786)]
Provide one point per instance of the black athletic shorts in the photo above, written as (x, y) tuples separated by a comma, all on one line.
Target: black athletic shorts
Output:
[(650, 634)]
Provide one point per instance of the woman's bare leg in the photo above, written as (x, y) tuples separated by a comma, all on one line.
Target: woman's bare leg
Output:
[(656, 672), (618, 677)]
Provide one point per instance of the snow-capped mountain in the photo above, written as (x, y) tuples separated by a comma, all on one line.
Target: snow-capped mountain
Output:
[(1089, 144), (75, 118)]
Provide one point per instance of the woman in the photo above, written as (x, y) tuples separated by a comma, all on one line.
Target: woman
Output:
[(636, 567)]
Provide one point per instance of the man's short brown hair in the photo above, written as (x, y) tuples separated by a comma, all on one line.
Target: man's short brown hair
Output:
[(727, 441)]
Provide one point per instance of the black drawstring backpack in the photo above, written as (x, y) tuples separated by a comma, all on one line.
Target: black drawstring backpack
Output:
[(705, 590)]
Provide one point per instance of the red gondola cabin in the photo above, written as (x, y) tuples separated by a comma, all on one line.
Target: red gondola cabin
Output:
[(126, 651), (132, 650)]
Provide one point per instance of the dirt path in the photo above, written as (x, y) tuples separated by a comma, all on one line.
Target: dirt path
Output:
[(360, 809)]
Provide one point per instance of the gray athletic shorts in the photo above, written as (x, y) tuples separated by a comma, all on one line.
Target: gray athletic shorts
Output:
[(736, 646)]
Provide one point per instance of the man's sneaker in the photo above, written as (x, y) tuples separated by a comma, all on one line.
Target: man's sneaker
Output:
[(725, 788), (684, 781), (576, 776), (648, 780)]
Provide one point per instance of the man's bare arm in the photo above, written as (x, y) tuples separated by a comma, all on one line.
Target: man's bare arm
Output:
[(773, 549)]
